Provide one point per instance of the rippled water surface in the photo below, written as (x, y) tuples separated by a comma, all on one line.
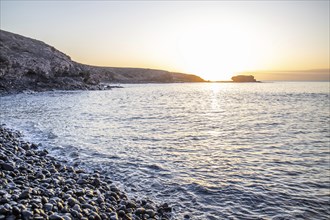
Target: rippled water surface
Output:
[(214, 151)]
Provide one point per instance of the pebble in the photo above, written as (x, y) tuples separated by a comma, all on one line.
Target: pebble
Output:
[(26, 214), (77, 208), (25, 194), (55, 217), (140, 211), (16, 211), (48, 207), (72, 201), (186, 216), (150, 212), (113, 218), (8, 166), (74, 213), (130, 205), (35, 185), (82, 181)]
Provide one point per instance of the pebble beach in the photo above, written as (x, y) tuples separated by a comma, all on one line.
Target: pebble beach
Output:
[(36, 185)]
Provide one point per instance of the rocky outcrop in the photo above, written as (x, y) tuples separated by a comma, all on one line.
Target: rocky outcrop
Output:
[(31, 64), (28, 64), (243, 78)]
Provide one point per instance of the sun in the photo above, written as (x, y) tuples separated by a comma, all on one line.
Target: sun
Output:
[(218, 54)]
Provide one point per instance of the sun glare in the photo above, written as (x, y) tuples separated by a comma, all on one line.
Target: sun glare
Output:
[(218, 53)]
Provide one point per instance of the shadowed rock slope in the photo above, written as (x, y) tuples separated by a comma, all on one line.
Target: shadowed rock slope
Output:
[(28, 64)]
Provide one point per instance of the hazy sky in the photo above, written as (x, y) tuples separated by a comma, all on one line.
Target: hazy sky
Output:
[(213, 39)]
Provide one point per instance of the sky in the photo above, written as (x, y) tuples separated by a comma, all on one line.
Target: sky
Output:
[(281, 40)]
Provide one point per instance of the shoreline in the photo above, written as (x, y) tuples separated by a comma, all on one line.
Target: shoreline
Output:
[(35, 185), (31, 91)]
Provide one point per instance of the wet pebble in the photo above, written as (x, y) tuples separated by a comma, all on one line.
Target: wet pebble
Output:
[(55, 217), (26, 214), (48, 207), (25, 194), (8, 166)]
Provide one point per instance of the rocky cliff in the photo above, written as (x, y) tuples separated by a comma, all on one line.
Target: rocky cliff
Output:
[(28, 64)]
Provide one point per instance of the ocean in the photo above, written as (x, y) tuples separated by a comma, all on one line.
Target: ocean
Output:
[(210, 150)]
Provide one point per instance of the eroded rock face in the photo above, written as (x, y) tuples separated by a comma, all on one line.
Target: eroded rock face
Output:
[(26, 63), (31, 64)]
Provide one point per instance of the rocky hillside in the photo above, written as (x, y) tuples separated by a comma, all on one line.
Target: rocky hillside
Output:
[(28, 64)]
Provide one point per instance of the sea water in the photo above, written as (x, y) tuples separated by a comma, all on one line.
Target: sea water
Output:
[(210, 150)]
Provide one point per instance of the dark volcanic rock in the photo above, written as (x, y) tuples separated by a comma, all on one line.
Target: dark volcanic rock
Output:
[(28, 64)]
